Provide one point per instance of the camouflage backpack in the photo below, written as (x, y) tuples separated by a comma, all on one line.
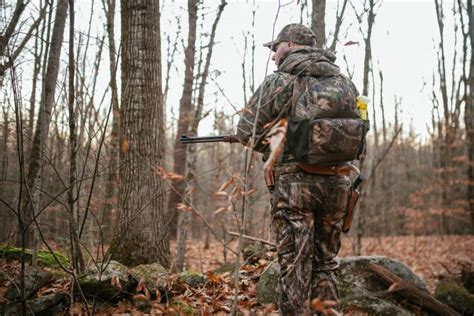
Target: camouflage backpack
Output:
[(324, 124)]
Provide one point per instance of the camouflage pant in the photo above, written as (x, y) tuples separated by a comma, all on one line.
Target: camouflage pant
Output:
[(307, 216)]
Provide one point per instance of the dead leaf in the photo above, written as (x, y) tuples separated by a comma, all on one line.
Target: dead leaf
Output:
[(221, 209), (249, 192), (324, 306), (116, 282)]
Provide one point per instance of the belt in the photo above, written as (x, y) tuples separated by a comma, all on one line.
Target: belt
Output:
[(343, 169)]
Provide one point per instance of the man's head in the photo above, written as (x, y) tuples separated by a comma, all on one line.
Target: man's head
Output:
[(291, 35)]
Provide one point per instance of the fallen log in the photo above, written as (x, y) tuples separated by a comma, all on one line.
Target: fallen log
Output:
[(418, 297)]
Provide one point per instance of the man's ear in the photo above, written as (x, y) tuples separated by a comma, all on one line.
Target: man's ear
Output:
[(290, 44)]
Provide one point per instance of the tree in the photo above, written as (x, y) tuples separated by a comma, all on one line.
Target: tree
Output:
[(185, 111), (33, 178), (142, 236), (318, 24)]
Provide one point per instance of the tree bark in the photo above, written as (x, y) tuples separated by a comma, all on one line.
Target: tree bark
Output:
[(44, 119), (185, 114), (108, 213), (469, 118), (318, 24), (142, 236), (76, 253)]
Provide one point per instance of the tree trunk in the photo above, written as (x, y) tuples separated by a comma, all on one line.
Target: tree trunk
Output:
[(185, 114), (108, 213), (469, 118), (317, 22), (142, 236), (44, 119), (76, 253)]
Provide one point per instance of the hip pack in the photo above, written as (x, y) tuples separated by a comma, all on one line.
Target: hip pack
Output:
[(324, 124)]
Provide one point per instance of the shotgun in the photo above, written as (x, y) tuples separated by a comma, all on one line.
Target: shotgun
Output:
[(185, 139)]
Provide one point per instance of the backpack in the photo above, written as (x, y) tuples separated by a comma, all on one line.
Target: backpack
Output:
[(324, 124)]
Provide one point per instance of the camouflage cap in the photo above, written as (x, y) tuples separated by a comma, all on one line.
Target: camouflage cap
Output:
[(296, 33)]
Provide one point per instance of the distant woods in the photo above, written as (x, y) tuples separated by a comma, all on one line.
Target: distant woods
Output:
[(89, 158)]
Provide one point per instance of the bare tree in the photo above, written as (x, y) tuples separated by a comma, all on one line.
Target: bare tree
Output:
[(142, 234), (42, 127), (185, 111), (318, 24)]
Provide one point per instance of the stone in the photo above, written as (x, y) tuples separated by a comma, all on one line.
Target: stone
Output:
[(358, 289), (99, 285), (154, 275), (456, 296), (267, 285), (35, 279), (52, 304), (192, 278), (254, 251)]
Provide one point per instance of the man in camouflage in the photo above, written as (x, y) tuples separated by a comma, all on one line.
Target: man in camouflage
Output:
[(307, 208)]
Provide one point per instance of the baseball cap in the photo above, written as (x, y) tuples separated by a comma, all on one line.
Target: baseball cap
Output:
[(296, 33)]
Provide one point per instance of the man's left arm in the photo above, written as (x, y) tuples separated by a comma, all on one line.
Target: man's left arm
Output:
[(269, 100)]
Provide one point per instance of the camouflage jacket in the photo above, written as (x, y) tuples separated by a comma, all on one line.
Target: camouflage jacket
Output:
[(274, 98)]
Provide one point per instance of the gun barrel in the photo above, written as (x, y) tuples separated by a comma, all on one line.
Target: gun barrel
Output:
[(185, 139)]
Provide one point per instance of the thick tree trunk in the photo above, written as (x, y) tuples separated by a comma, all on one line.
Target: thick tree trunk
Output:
[(185, 113), (142, 236), (44, 119), (318, 24)]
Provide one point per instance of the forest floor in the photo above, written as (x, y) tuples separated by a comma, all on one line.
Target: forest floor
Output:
[(431, 257)]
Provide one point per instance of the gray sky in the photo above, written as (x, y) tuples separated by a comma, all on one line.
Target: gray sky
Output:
[(402, 42)]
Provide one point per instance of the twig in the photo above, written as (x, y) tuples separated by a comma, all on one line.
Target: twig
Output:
[(263, 241)]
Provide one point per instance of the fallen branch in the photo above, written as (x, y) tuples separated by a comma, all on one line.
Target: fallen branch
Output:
[(410, 292), (263, 241)]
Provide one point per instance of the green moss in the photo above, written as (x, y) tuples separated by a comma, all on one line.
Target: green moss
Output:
[(192, 278), (456, 296), (225, 267), (186, 309), (45, 258)]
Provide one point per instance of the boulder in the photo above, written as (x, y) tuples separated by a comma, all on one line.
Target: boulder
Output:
[(154, 275), (358, 289), (192, 278), (456, 296), (34, 280), (110, 285), (52, 304)]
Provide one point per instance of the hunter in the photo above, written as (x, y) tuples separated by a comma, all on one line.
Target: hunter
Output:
[(310, 193)]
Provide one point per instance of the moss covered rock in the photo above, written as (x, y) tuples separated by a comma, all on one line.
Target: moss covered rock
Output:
[(225, 267), (192, 278), (456, 296), (254, 251), (268, 284), (45, 258), (358, 290), (103, 284), (35, 279)]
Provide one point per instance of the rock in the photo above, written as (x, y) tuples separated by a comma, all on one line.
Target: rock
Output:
[(154, 276), (268, 283), (357, 288), (254, 251), (100, 286), (456, 296), (192, 278), (34, 280), (226, 267), (52, 304), (467, 277)]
